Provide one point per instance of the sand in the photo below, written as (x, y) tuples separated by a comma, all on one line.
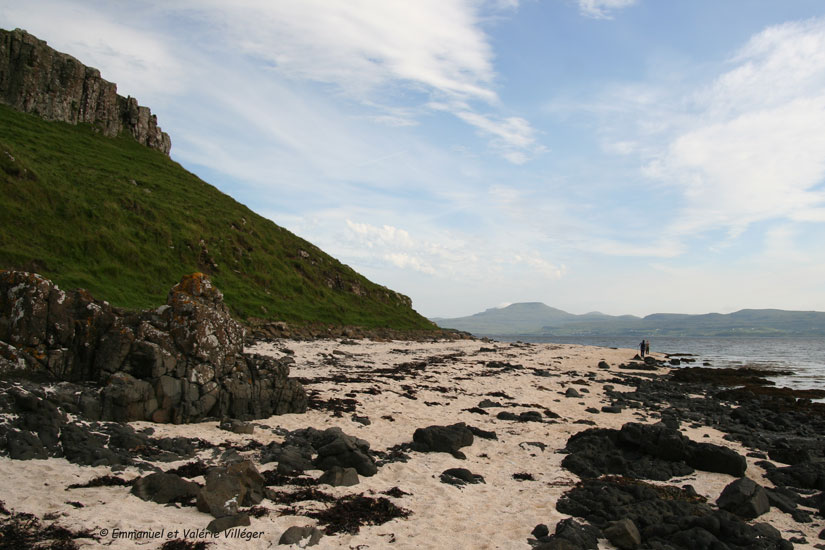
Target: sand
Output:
[(497, 514)]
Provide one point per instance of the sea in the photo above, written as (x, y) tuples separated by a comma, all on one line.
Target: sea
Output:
[(804, 356)]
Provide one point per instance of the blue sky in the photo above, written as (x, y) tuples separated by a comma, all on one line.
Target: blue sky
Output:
[(625, 156)]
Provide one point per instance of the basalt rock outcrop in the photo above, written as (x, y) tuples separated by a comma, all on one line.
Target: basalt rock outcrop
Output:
[(663, 517), (644, 451), (181, 362), (34, 78)]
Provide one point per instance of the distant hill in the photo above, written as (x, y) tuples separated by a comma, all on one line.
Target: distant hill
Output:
[(91, 199), (534, 318)]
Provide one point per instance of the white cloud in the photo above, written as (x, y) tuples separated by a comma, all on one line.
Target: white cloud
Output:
[(746, 146), (512, 137), (542, 266), (370, 49), (386, 235), (391, 58), (657, 248), (142, 62), (362, 45), (600, 9), (406, 261), (755, 149)]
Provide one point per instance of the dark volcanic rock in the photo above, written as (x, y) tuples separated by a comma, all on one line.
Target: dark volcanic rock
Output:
[(339, 477), (460, 476), (623, 534), (38, 429), (218, 525), (335, 448), (745, 498), (295, 534), (807, 475), (34, 78), (666, 516), (230, 487), (579, 534), (646, 452), (181, 362), (443, 439), (164, 488)]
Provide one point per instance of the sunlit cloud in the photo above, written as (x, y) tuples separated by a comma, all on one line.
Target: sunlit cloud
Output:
[(756, 149)]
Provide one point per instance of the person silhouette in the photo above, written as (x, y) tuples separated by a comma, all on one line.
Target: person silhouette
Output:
[(642, 348)]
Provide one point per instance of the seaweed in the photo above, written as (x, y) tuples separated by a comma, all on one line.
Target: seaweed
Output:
[(181, 544), (351, 512), (301, 495), (20, 530), (102, 481), (191, 469)]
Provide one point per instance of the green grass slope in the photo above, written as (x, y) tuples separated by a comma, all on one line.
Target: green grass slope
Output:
[(126, 222)]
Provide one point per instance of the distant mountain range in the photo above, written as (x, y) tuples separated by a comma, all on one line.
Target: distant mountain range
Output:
[(535, 318)]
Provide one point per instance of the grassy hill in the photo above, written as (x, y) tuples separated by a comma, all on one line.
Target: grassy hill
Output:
[(126, 222)]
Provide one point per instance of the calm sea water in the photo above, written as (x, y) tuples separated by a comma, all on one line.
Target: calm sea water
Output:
[(804, 356)]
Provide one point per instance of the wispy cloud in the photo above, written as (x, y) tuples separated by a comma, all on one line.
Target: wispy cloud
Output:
[(755, 149), (513, 137), (143, 62), (742, 147), (364, 45), (602, 9), (391, 58), (373, 51)]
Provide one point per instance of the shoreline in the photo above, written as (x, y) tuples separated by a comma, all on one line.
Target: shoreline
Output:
[(382, 392)]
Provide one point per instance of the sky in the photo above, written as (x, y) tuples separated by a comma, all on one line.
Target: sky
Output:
[(622, 156)]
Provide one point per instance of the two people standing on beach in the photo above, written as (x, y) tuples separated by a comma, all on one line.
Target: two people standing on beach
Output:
[(644, 347)]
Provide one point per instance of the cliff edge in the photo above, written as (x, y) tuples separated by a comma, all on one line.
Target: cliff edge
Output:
[(34, 78)]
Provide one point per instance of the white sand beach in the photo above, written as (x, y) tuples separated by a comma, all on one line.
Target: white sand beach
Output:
[(450, 377)]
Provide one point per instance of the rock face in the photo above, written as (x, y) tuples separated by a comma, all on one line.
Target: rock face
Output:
[(35, 78), (181, 362)]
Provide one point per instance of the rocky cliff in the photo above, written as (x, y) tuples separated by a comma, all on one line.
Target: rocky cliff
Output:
[(35, 78), (181, 362)]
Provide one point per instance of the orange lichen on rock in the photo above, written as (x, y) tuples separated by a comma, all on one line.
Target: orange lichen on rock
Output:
[(193, 284)]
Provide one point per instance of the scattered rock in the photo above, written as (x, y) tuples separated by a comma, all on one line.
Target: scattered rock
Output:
[(237, 427), (460, 476), (665, 516), (164, 488), (228, 488), (296, 534), (646, 452), (335, 448), (745, 498), (339, 477), (570, 534), (540, 530), (361, 420), (623, 534), (443, 439), (221, 524)]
